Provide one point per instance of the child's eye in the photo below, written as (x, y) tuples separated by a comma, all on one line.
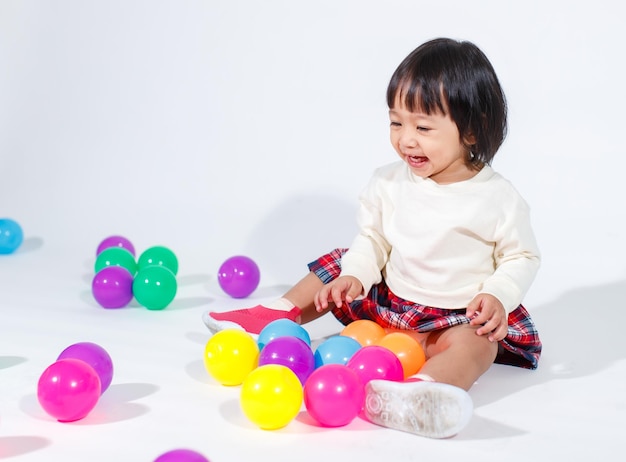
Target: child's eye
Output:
[(422, 129), (395, 124)]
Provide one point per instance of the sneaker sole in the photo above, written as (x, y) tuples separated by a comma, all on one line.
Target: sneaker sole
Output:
[(216, 326), (431, 409)]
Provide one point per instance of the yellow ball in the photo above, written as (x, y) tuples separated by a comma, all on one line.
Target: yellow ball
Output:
[(271, 396), (230, 355)]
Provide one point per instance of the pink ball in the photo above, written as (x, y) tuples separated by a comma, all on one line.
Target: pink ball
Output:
[(334, 395), (239, 276), (94, 355), (181, 455), (115, 241), (112, 287), (376, 362), (68, 389)]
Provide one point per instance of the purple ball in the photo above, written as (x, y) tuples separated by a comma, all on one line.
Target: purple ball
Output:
[(112, 287), (94, 355), (292, 352), (239, 276), (181, 455), (115, 241)]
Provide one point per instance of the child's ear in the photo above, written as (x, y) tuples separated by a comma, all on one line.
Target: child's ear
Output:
[(469, 140)]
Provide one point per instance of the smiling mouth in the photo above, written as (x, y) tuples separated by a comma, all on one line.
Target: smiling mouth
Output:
[(416, 161)]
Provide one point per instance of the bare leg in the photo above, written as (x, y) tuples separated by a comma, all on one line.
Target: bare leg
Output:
[(302, 295), (458, 356)]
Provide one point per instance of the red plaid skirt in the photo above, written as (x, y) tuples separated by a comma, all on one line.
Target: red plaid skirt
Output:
[(521, 347)]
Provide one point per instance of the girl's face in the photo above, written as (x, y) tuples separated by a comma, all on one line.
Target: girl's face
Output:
[(430, 144)]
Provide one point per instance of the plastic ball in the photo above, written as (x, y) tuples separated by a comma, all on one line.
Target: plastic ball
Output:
[(364, 331), (181, 455), (271, 396), (115, 241), (230, 355), (116, 256), (334, 395), (112, 287), (239, 276), (337, 349), (291, 352), (160, 256), (11, 235), (376, 362), (68, 389), (282, 328), (155, 287), (407, 349), (94, 355)]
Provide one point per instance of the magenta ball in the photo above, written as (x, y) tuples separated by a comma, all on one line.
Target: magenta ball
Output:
[(112, 287), (115, 241), (94, 355), (291, 352), (376, 362), (333, 395), (68, 389), (181, 455), (239, 276)]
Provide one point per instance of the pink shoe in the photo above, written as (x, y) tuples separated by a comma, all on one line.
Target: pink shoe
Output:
[(252, 320)]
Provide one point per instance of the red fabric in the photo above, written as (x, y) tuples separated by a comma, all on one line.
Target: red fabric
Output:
[(521, 347)]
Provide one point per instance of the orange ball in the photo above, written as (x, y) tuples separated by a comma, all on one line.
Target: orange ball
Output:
[(364, 331), (407, 349)]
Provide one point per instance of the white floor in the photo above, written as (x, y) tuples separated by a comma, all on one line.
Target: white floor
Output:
[(162, 398)]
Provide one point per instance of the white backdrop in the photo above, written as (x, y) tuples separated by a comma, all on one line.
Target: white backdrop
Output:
[(249, 127), (226, 127)]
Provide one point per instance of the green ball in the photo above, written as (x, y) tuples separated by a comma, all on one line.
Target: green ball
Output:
[(116, 256), (158, 255), (154, 287)]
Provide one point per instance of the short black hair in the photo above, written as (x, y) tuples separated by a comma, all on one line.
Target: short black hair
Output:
[(455, 78)]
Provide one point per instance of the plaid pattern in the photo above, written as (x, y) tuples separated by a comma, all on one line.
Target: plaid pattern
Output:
[(521, 347)]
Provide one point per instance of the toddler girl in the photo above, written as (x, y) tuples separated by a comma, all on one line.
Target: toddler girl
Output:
[(445, 249)]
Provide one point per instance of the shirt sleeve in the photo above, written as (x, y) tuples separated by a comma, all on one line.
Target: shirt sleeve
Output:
[(516, 256), (369, 251)]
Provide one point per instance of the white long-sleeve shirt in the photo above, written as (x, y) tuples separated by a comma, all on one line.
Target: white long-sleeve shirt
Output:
[(441, 245)]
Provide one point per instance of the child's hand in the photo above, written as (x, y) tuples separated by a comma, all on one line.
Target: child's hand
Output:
[(486, 311), (344, 288)]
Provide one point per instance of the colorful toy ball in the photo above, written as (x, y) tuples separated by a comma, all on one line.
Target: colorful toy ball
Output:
[(364, 331), (230, 355), (282, 328), (116, 256), (337, 349), (407, 349), (271, 396), (11, 235), (181, 455), (68, 389), (239, 276), (160, 256), (115, 241), (376, 362), (112, 287), (94, 355), (155, 287), (334, 395), (291, 352)]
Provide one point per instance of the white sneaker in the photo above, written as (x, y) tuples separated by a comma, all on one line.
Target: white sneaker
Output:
[(431, 409)]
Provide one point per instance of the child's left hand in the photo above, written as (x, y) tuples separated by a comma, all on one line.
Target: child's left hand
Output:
[(486, 311)]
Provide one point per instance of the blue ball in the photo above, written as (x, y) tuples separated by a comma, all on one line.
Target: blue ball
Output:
[(336, 350), (282, 328), (11, 235)]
